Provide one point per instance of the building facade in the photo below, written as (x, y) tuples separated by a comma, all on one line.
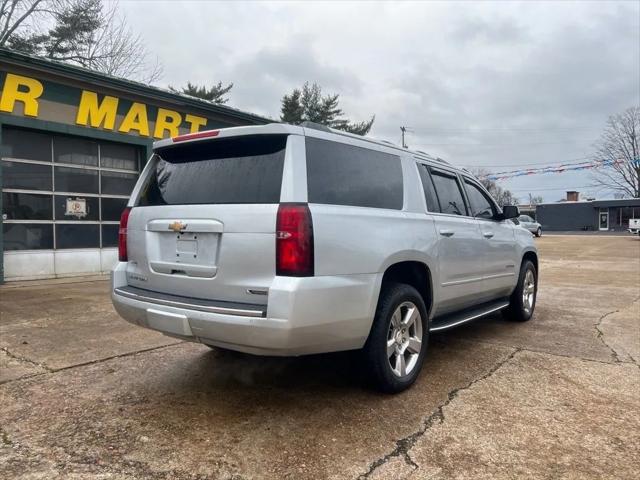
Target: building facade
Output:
[(587, 215), (72, 144)]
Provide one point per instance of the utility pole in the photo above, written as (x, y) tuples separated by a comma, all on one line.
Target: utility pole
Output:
[(403, 130)]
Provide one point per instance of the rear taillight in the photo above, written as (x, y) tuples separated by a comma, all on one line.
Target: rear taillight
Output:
[(122, 235), (294, 240)]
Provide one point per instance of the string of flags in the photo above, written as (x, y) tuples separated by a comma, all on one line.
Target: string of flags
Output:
[(565, 167)]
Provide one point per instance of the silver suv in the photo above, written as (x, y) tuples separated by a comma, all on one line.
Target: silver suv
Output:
[(287, 240)]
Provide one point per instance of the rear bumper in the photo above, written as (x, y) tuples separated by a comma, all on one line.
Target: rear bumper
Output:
[(303, 316)]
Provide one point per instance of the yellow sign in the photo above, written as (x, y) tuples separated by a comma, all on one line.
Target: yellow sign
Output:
[(96, 113)]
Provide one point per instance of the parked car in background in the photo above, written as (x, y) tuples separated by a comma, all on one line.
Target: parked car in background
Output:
[(530, 224), (634, 226), (289, 240)]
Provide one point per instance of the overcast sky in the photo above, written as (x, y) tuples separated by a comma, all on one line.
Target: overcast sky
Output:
[(499, 85)]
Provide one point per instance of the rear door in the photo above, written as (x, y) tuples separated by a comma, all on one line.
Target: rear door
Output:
[(203, 222), (460, 244)]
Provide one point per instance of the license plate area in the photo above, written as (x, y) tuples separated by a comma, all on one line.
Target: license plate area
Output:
[(187, 244), (192, 254)]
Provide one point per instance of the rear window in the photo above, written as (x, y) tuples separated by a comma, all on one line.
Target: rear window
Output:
[(339, 174), (235, 170)]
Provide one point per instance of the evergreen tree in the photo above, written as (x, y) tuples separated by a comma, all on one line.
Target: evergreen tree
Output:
[(215, 94), (308, 104)]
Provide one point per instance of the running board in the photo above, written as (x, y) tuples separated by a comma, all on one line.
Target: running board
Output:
[(454, 319)]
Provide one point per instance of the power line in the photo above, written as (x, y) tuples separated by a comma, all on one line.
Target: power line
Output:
[(519, 144), (524, 165), (551, 188), (506, 129)]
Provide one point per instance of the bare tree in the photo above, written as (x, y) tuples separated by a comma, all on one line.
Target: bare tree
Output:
[(619, 147), (535, 199), (501, 195), (83, 32)]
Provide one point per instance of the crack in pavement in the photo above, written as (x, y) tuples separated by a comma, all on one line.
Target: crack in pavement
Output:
[(25, 360), (404, 445), (77, 365), (614, 354), (601, 335)]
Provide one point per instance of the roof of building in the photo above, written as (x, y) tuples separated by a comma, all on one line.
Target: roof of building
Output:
[(622, 202), (138, 88)]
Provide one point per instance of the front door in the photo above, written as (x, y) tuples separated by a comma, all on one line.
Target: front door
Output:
[(604, 219), (460, 246), (500, 255)]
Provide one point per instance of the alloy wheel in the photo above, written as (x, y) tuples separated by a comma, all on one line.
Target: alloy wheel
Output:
[(528, 292), (404, 339)]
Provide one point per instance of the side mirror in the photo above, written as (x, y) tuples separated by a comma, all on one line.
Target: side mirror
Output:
[(510, 211)]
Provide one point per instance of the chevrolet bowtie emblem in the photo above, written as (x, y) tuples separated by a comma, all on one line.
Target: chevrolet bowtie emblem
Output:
[(177, 226)]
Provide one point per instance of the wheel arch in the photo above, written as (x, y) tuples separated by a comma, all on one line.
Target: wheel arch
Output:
[(533, 257), (416, 273)]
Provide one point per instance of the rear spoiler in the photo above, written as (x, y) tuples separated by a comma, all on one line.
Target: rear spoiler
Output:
[(269, 129)]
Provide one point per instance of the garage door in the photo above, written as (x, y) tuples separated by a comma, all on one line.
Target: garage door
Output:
[(61, 202)]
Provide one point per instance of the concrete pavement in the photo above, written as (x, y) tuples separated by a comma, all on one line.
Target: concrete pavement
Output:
[(86, 395)]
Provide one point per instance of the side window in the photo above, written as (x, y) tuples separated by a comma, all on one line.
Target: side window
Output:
[(429, 189), (339, 174), (481, 206), (449, 193)]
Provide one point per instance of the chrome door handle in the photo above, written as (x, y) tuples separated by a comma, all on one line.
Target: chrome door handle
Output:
[(447, 233), (488, 234)]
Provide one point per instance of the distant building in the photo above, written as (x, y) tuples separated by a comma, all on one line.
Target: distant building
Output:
[(574, 214), (72, 143)]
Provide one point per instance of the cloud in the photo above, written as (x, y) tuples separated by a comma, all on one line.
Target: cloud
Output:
[(266, 75), (502, 83)]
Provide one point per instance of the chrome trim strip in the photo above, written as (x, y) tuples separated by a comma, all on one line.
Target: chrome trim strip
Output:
[(478, 279), (500, 275), (468, 319), (462, 282), (191, 306)]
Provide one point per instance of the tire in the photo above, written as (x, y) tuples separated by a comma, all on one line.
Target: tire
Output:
[(521, 306), (539, 232), (396, 329)]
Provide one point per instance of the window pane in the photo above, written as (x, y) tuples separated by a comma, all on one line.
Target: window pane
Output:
[(449, 193), (75, 150), (77, 236), (480, 205), (429, 190), (110, 235), (28, 176), (69, 179), (26, 206), (112, 208), (341, 174), (115, 155), (237, 170), (76, 208), (115, 183), (28, 236), (26, 144)]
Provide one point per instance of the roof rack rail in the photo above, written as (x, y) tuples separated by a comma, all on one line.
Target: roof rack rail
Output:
[(388, 142), (422, 152), (315, 126), (441, 160)]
